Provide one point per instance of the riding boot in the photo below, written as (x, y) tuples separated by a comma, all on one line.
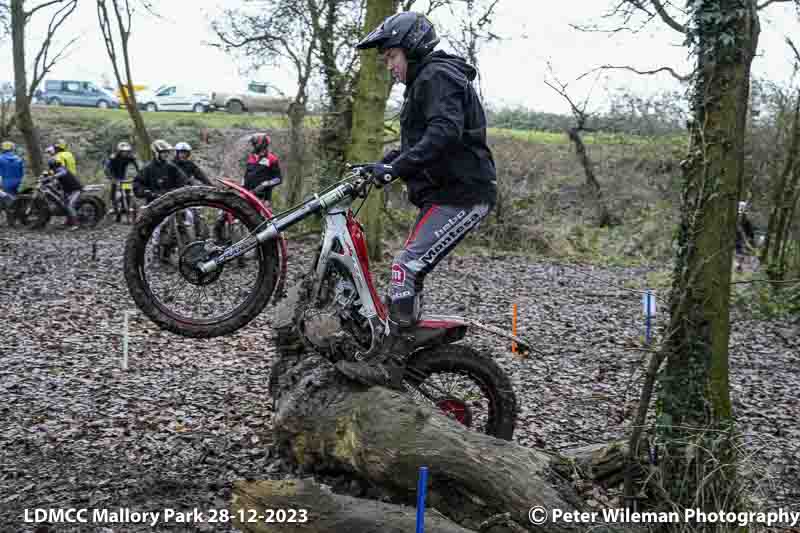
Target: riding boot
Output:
[(382, 367)]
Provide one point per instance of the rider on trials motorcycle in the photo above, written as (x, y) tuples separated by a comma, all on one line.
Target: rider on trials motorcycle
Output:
[(445, 162)]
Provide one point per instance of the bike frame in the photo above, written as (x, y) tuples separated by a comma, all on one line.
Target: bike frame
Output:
[(341, 230)]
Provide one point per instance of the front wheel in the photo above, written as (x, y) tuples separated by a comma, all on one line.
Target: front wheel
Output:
[(171, 291), (467, 386), (32, 213)]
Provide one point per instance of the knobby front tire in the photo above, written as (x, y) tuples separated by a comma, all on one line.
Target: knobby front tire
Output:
[(135, 255)]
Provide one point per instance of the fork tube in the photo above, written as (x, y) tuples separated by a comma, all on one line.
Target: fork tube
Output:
[(276, 225), (301, 212)]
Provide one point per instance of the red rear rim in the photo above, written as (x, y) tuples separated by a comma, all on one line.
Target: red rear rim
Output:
[(456, 409)]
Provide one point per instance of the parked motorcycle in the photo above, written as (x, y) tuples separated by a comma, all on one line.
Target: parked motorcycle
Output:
[(335, 310), (34, 207)]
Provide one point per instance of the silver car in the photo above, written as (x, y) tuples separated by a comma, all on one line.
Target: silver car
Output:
[(77, 93), (173, 98)]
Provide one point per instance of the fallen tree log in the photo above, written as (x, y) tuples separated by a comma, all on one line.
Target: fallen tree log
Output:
[(324, 422), (601, 463), (310, 509)]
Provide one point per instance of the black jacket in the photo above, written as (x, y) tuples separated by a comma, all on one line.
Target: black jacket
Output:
[(68, 181), (192, 171), (157, 178), (116, 166), (444, 155)]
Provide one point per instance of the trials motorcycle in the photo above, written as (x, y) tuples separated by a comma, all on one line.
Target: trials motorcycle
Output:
[(334, 310), (34, 207)]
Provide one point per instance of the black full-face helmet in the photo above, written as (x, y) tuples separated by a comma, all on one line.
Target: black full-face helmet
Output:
[(411, 31)]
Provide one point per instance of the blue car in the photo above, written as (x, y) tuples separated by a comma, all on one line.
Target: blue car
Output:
[(77, 93)]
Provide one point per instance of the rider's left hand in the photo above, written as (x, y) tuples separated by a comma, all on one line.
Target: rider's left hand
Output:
[(381, 174)]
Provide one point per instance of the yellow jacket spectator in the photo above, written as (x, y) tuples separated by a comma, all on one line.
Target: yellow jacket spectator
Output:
[(65, 156)]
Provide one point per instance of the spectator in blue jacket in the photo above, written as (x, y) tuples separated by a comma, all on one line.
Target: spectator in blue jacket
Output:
[(12, 168)]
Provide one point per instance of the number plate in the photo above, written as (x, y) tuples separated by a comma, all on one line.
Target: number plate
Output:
[(127, 186)]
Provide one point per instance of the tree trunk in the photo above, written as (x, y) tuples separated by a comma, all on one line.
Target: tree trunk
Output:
[(326, 512), (7, 119), (774, 241), (366, 142), (604, 215), (695, 422), (125, 85), (337, 123), (22, 98), (139, 128), (297, 152)]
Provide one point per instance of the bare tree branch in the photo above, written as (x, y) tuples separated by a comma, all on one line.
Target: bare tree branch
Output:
[(29, 14), (794, 49), (42, 64), (768, 2), (5, 19), (628, 10), (671, 22), (679, 77)]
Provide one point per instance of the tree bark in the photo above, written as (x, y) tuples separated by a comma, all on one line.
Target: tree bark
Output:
[(22, 102), (695, 422), (369, 107), (297, 152), (326, 512)]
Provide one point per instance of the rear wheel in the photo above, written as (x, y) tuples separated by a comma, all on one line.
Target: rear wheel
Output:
[(171, 291), (467, 386), (90, 211), (235, 107)]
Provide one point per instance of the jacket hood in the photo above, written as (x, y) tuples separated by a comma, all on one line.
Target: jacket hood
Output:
[(441, 57), (455, 61)]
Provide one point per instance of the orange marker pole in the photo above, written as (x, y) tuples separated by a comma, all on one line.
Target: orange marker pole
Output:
[(514, 329)]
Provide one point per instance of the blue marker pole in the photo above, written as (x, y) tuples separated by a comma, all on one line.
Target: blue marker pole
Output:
[(422, 487)]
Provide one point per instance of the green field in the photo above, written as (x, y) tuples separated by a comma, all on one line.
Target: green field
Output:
[(88, 117), (92, 118)]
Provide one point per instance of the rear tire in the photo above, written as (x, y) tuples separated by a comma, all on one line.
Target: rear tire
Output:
[(235, 107), (494, 383), (134, 260), (97, 205)]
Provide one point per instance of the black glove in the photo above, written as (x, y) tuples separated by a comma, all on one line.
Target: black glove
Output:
[(381, 174), (390, 156)]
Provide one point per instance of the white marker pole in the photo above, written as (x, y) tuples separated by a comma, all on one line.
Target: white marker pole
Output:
[(649, 302), (125, 341)]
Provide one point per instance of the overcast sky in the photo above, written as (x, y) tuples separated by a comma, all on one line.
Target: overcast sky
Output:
[(171, 50)]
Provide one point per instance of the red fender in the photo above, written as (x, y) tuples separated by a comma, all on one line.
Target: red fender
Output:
[(253, 200)]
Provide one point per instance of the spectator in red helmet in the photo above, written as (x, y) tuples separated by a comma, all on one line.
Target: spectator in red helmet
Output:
[(262, 168)]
